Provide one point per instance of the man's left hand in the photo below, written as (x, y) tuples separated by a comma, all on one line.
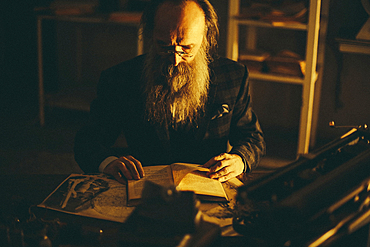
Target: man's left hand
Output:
[(225, 166)]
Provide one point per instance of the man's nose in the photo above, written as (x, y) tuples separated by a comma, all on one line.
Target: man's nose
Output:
[(175, 58)]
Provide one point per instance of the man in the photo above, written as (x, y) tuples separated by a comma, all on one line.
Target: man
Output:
[(178, 103)]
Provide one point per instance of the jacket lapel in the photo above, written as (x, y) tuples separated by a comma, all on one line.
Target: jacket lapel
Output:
[(204, 123)]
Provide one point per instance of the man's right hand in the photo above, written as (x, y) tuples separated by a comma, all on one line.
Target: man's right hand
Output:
[(125, 167)]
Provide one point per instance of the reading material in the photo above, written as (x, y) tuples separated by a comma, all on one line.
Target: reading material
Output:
[(186, 177), (95, 196)]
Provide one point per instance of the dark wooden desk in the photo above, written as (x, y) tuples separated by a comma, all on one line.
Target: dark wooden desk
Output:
[(21, 192)]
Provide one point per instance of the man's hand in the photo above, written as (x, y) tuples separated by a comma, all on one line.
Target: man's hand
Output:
[(225, 166), (125, 167)]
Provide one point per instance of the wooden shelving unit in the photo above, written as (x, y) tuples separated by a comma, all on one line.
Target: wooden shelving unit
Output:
[(307, 81), (79, 98)]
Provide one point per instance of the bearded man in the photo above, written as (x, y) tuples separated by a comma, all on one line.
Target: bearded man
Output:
[(180, 102)]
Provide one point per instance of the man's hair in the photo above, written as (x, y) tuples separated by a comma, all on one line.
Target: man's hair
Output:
[(212, 29)]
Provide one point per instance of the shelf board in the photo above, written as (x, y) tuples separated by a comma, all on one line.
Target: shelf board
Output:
[(354, 46), (276, 78), (72, 104), (282, 25), (78, 99), (132, 19)]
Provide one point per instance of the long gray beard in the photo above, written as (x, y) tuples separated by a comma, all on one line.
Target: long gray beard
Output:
[(176, 95)]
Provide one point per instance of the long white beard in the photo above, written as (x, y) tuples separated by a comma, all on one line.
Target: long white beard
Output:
[(176, 94)]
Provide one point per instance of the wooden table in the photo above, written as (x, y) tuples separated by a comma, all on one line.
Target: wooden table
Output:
[(21, 193)]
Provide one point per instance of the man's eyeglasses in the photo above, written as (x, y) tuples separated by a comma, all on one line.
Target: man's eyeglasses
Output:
[(182, 54)]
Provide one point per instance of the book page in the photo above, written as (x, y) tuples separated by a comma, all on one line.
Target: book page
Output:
[(190, 177), (161, 175), (180, 170)]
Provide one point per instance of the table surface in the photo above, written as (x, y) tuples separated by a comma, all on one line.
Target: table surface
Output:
[(20, 192)]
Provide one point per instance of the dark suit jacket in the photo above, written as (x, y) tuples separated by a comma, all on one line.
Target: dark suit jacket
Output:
[(120, 105)]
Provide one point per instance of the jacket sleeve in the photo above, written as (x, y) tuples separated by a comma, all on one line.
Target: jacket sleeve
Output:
[(94, 142), (246, 136)]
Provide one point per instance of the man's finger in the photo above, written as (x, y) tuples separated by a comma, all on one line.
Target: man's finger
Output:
[(214, 160), (226, 177), (224, 174), (130, 167), (119, 178), (218, 166), (118, 170), (219, 170), (138, 166), (123, 169), (210, 163)]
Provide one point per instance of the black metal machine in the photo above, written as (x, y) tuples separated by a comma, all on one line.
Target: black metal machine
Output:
[(317, 200)]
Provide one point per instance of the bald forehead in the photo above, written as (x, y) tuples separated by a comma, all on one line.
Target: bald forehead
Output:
[(179, 20)]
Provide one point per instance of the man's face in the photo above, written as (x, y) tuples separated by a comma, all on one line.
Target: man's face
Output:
[(176, 67), (179, 31)]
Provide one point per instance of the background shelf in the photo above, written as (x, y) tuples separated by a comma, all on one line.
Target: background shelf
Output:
[(311, 57)]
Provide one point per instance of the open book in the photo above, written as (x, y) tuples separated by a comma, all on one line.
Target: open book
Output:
[(186, 177)]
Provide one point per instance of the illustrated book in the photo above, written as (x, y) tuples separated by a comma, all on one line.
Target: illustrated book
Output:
[(94, 196)]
